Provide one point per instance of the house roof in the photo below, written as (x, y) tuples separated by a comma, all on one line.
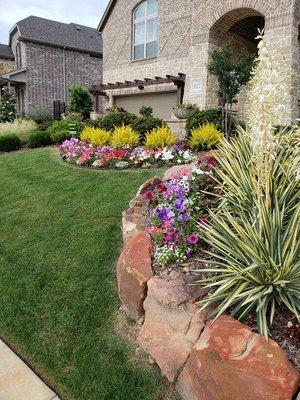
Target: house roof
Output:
[(106, 14), (71, 36), (6, 52)]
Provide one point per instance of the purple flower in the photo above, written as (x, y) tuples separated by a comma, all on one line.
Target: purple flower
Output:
[(184, 217)]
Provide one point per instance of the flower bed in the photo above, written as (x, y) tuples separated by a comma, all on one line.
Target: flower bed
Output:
[(82, 153), (205, 358), (178, 206)]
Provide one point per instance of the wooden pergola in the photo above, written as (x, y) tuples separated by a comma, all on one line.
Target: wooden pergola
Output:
[(178, 80)]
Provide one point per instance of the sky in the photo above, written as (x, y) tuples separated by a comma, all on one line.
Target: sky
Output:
[(84, 12)]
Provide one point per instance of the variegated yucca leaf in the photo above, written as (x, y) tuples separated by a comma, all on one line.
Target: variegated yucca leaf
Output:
[(254, 235)]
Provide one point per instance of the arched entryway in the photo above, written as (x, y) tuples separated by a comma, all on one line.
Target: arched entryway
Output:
[(239, 28)]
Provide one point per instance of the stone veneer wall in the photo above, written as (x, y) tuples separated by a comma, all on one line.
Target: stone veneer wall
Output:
[(185, 39), (6, 65), (220, 359)]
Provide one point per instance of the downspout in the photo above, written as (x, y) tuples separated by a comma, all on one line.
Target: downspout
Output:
[(65, 76)]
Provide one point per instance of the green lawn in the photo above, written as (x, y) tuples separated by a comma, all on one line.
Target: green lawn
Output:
[(59, 240)]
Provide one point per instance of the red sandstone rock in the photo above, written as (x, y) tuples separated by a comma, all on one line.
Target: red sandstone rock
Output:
[(230, 362), (132, 221), (133, 271), (172, 322)]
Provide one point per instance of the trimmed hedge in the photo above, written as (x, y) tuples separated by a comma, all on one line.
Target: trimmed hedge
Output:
[(9, 142), (116, 118), (39, 139)]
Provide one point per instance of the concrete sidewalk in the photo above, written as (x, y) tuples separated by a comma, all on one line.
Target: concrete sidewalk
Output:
[(18, 381)]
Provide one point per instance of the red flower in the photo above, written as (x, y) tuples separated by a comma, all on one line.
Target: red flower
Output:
[(149, 196), (161, 187)]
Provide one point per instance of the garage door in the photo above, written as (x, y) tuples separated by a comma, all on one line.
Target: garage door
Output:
[(161, 103)]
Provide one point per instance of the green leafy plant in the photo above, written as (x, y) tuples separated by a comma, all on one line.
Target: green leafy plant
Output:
[(9, 142), (116, 118), (80, 101), (199, 118), (233, 72), (255, 234), (39, 139), (60, 130), (147, 122), (7, 106)]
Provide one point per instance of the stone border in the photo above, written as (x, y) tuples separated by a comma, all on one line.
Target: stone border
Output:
[(220, 359)]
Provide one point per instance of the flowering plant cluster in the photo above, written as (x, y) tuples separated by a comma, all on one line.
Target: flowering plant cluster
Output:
[(179, 206), (84, 154)]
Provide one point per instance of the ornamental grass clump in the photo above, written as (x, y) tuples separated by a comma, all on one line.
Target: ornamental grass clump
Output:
[(20, 127), (207, 137), (124, 137), (159, 138), (95, 136), (255, 235)]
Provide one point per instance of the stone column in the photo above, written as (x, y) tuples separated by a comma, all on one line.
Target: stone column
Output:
[(281, 31)]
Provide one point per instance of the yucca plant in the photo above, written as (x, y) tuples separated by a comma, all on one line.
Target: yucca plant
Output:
[(255, 234)]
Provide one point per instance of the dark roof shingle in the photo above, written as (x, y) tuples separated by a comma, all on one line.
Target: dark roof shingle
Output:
[(71, 36), (6, 52)]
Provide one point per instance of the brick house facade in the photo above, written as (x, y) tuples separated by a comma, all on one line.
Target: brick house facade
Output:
[(49, 58), (187, 30)]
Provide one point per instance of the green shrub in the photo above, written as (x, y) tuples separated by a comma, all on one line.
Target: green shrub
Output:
[(147, 122), (7, 106), (60, 130), (201, 117), (80, 101), (20, 127), (254, 235), (39, 115), (9, 142), (116, 118), (39, 139)]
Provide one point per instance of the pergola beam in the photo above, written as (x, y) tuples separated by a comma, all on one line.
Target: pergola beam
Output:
[(177, 80)]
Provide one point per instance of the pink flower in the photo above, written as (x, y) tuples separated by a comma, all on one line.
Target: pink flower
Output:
[(181, 172), (192, 238), (153, 230)]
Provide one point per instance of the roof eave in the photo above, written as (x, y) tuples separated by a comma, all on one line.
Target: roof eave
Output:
[(106, 15), (98, 53)]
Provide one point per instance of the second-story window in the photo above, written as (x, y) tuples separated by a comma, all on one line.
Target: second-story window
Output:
[(19, 55), (145, 18)]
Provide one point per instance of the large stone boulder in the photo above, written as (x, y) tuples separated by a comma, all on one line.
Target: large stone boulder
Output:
[(132, 221), (230, 362), (173, 322), (133, 271)]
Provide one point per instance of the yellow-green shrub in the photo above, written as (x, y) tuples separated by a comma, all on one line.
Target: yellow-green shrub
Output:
[(160, 137), (205, 138), (124, 137), (95, 136)]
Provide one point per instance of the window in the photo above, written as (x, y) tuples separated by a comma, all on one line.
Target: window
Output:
[(145, 18), (19, 55)]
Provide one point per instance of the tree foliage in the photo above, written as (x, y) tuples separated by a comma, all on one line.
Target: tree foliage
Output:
[(80, 101), (233, 72)]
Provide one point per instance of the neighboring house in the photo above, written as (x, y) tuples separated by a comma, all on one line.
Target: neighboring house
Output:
[(161, 38), (7, 59), (51, 56)]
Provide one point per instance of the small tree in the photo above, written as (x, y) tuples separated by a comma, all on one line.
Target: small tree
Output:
[(232, 73), (7, 106), (80, 100)]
